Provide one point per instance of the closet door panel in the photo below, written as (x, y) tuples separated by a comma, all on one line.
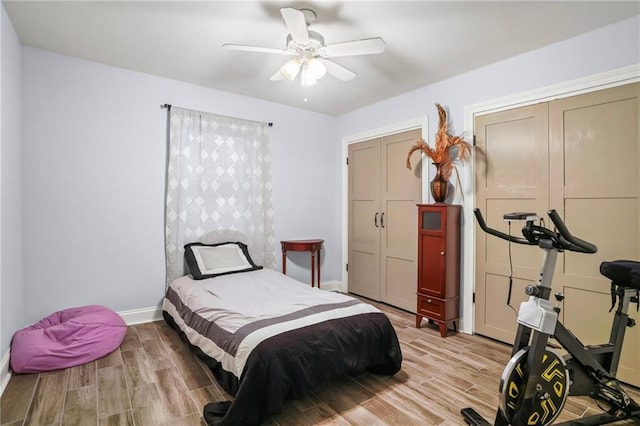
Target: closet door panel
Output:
[(502, 318), (363, 279), (512, 140), (400, 235), (361, 236), (400, 282), (600, 148), (499, 253), (364, 219), (579, 315), (611, 224), (513, 178), (400, 192)]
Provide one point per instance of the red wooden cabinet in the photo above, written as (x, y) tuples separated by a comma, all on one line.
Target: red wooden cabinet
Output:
[(438, 264)]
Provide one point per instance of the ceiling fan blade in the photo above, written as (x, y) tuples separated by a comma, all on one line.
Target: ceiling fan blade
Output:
[(256, 49), (297, 25), (338, 71), (367, 46), (277, 76)]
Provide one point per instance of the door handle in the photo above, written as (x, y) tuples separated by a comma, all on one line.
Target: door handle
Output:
[(375, 220), (382, 219)]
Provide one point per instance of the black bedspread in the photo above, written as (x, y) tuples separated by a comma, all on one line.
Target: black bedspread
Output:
[(288, 365)]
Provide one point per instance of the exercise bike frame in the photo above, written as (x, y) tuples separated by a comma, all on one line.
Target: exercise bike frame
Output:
[(592, 369)]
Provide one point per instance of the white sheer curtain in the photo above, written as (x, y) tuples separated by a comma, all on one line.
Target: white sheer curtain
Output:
[(218, 178)]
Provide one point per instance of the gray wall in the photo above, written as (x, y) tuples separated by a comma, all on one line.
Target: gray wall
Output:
[(94, 164), (11, 279), (604, 49)]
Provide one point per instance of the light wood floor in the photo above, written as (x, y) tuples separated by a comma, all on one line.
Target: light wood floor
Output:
[(153, 379)]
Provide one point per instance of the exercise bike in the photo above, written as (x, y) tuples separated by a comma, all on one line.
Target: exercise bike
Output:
[(537, 379)]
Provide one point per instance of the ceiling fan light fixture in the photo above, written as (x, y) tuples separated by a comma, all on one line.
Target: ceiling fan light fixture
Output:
[(306, 77), (290, 69), (316, 68)]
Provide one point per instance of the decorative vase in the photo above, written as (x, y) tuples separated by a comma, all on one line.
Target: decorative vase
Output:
[(439, 185)]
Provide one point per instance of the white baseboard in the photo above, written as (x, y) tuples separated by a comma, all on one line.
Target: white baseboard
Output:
[(139, 316), (332, 286), (134, 316), (5, 373)]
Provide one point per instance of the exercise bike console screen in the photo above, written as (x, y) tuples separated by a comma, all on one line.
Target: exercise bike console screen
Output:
[(520, 216)]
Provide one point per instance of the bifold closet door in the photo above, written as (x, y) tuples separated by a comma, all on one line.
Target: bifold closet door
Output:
[(515, 144), (586, 165), (364, 219), (401, 191), (595, 186), (383, 220)]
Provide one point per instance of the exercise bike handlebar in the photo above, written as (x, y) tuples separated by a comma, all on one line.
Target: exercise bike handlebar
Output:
[(495, 232), (569, 241), (534, 234)]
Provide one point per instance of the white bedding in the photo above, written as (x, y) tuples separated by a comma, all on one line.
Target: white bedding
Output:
[(250, 307)]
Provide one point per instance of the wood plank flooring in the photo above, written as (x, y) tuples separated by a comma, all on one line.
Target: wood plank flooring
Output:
[(153, 379)]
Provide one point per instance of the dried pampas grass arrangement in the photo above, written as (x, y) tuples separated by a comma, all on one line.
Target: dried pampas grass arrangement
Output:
[(448, 148)]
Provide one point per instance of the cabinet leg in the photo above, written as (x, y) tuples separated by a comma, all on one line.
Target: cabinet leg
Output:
[(443, 328), (284, 262), (418, 321)]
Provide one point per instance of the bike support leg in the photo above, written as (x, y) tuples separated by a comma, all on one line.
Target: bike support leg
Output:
[(534, 360)]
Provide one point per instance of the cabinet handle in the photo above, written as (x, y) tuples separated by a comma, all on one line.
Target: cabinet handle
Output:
[(441, 253), (382, 219), (375, 220), (428, 300)]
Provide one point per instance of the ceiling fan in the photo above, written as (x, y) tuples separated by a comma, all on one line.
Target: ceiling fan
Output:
[(311, 55)]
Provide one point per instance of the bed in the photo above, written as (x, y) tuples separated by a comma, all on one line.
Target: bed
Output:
[(268, 338)]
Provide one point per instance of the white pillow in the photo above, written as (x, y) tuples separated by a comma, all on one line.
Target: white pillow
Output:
[(219, 259), (207, 261)]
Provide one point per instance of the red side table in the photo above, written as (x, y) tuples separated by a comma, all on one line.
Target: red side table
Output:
[(314, 246)]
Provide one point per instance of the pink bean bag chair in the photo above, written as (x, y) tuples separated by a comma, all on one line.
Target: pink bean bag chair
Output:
[(67, 338)]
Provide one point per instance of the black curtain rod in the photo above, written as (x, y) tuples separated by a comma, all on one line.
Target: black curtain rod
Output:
[(168, 106)]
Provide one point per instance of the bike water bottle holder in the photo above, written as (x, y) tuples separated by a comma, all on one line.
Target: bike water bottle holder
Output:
[(538, 314)]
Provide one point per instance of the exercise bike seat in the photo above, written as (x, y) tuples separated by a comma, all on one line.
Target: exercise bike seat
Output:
[(625, 273)]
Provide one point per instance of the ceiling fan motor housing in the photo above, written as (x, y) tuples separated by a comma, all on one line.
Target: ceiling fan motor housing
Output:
[(316, 42)]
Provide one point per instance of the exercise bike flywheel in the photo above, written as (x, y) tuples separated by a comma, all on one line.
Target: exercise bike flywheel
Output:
[(552, 387)]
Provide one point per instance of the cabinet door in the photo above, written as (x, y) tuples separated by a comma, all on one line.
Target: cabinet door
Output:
[(432, 267), (432, 263)]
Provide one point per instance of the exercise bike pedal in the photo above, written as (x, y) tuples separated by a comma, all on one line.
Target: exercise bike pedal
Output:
[(471, 417)]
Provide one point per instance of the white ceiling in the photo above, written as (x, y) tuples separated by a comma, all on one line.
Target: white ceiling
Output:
[(427, 41)]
